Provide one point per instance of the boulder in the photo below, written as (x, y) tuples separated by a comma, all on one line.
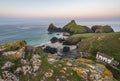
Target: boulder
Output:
[(49, 49), (102, 29), (54, 40), (61, 40), (73, 28), (66, 49)]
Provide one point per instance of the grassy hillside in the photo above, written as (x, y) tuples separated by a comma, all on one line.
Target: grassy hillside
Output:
[(107, 43), (73, 28)]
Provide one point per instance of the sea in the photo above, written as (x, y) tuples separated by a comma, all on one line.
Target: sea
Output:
[(34, 31)]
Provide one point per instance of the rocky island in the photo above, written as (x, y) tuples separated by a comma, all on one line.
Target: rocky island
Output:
[(81, 54), (73, 28)]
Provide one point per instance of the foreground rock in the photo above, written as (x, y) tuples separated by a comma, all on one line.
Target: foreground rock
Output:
[(102, 29), (35, 65), (93, 71)]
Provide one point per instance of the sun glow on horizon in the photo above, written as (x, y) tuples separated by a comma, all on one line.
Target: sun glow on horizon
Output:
[(61, 8)]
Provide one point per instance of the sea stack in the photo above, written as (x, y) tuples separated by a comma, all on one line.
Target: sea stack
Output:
[(73, 28), (102, 29), (53, 28)]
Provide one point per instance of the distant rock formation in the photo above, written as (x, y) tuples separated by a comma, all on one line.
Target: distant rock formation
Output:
[(102, 29), (73, 28), (53, 28)]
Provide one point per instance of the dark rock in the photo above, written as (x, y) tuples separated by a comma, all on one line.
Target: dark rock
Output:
[(66, 49), (53, 28), (43, 46), (66, 42), (49, 49), (102, 29), (61, 40), (54, 40)]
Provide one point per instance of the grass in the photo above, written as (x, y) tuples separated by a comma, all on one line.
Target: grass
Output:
[(73, 27), (88, 35), (47, 67), (107, 43)]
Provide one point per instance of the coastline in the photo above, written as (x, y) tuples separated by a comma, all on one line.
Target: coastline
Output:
[(58, 35)]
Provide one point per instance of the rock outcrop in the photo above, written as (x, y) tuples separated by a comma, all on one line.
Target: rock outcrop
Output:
[(102, 29), (53, 28), (61, 40), (51, 50), (73, 28), (93, 71), (66, 49)]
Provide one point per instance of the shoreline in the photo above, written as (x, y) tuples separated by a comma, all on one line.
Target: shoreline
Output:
[(48, 42), (72, 53)]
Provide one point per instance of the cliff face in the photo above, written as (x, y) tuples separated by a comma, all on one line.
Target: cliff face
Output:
[(73, 28)]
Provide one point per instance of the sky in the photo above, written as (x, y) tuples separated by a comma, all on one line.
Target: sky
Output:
[(60, 8)]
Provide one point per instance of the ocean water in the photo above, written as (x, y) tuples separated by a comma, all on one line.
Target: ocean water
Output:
[(34, 31)]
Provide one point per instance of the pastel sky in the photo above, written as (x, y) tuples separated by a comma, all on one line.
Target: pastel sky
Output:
[(60, 8)]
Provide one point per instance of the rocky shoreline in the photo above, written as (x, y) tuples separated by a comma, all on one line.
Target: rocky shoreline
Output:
[(60, 59), (57, 46)]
